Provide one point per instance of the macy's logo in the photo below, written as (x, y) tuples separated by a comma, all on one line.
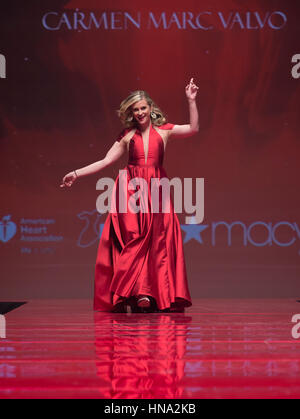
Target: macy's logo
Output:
[(7, 229)]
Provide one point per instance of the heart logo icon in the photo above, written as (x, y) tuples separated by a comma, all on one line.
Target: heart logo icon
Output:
[(7, 229)]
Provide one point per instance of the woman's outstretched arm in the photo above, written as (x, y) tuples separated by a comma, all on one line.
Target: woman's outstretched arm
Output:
[(115, 152), (183, 131)]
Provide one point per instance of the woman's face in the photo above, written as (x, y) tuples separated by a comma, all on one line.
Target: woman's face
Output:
[(141, 112)]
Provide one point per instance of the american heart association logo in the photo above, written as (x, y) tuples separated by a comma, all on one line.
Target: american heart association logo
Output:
[(7, 229)]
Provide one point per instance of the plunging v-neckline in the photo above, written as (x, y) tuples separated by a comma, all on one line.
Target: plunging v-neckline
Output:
[(149, 136)]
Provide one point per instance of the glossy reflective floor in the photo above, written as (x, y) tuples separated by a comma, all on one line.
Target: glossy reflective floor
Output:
[(217, 349)]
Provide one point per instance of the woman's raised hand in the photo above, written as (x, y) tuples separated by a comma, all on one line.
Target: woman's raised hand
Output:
[(191, 90), (69, 179)]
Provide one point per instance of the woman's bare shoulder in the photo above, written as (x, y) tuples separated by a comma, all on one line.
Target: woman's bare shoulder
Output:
[(126, 135)]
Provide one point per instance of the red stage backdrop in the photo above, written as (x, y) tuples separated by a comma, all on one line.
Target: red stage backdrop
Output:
[(65, 67)]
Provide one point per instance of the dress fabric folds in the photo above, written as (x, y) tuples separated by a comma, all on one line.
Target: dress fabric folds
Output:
[(141, 252)]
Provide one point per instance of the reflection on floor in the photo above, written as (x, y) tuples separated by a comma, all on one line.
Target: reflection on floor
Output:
[(217, 349)]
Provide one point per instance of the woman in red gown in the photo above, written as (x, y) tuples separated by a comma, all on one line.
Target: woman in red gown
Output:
[(140, 262)]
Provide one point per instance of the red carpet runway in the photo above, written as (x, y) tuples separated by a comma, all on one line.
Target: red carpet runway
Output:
[(217, 349)]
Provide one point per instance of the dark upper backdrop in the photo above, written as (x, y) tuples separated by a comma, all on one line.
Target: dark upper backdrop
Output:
[(65, 78)]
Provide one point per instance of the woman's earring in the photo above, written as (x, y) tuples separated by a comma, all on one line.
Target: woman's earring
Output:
[(153, 115)]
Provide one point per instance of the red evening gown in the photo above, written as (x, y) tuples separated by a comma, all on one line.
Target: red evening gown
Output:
[(141, 253)]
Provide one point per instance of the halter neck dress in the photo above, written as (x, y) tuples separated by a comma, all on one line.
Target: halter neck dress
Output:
[(141, 253)]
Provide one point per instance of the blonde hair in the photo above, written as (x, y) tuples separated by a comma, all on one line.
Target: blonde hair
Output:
[(125, 111)]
